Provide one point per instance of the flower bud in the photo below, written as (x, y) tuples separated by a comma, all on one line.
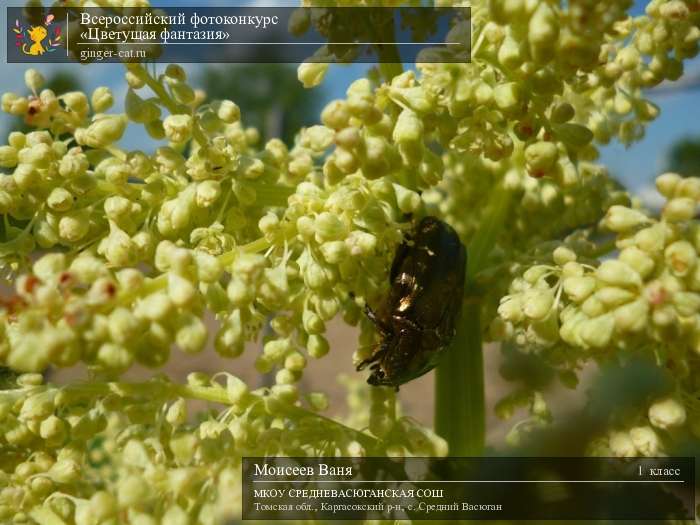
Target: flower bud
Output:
[(276, 349), (25, 176), (312, 323), (598, 331), (207, 193), (681, 257), (675, 10), (646, 441), (579, 288), (301, 165), (39, 155), (287, 394), (317, 138), (8, 157), (34, 80), (652, 239), (14, 105), (74, 226), (76, 102), (407, 200), (329, 227), (632, 317), (114, 357), (511, 309), (510, 55), (543, 30), (65, 471), (102, 99), (154, 307), (507, 96), (537, 303), (60, 200), (181, 291), (621, 445), (104, 131), (679, 209), (132, 490), (638, 260), (239, 292), (687, 303), (317, 346), (229, 341), (192, 335), (334, 251), (611, 296), (248, 266), (178, 128), (54, 430), (49, 266), (689, 187), (101, 507), (541, 157), (177, 413), (235, 388), (295, 362), (336, 115), (408, 128), (667, 413), (311, 74), (622, 219), (251, 168), (73, 165), (318, 401), (618, 273), (666, 184)]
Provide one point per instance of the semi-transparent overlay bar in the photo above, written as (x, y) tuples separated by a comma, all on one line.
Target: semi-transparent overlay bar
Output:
[(239, 34), (487, 488)]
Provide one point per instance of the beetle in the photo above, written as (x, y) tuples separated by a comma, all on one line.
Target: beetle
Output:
[(417, 320)]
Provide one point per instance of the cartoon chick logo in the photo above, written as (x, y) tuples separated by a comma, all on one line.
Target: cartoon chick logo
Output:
[(30, 40)]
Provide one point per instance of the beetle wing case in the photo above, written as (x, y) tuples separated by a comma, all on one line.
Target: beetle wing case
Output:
[(418, 319)]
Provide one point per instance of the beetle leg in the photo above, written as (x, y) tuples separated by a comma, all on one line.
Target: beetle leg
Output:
[(374, 359), (384, 328), (406, 322), (376, 356)]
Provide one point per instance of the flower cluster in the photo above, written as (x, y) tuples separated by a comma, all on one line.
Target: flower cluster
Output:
[(139, 247), (644, 298), (179, 474)]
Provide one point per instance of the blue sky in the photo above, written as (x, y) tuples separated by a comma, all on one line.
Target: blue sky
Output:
[(635, 166)]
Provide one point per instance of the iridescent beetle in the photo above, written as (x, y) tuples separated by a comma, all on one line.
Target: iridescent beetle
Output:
[(417, 321)]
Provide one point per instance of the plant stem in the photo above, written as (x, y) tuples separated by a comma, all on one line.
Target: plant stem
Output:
[(460, 412), (390, 65), (459, 388)]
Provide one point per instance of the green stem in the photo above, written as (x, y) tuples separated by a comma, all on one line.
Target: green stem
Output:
[(161, 93), (390, 64), (460, 412), (272, 195), (459, 389), (165, 390)]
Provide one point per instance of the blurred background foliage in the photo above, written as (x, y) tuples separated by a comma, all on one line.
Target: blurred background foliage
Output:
[(684, 157), (269, 95)]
